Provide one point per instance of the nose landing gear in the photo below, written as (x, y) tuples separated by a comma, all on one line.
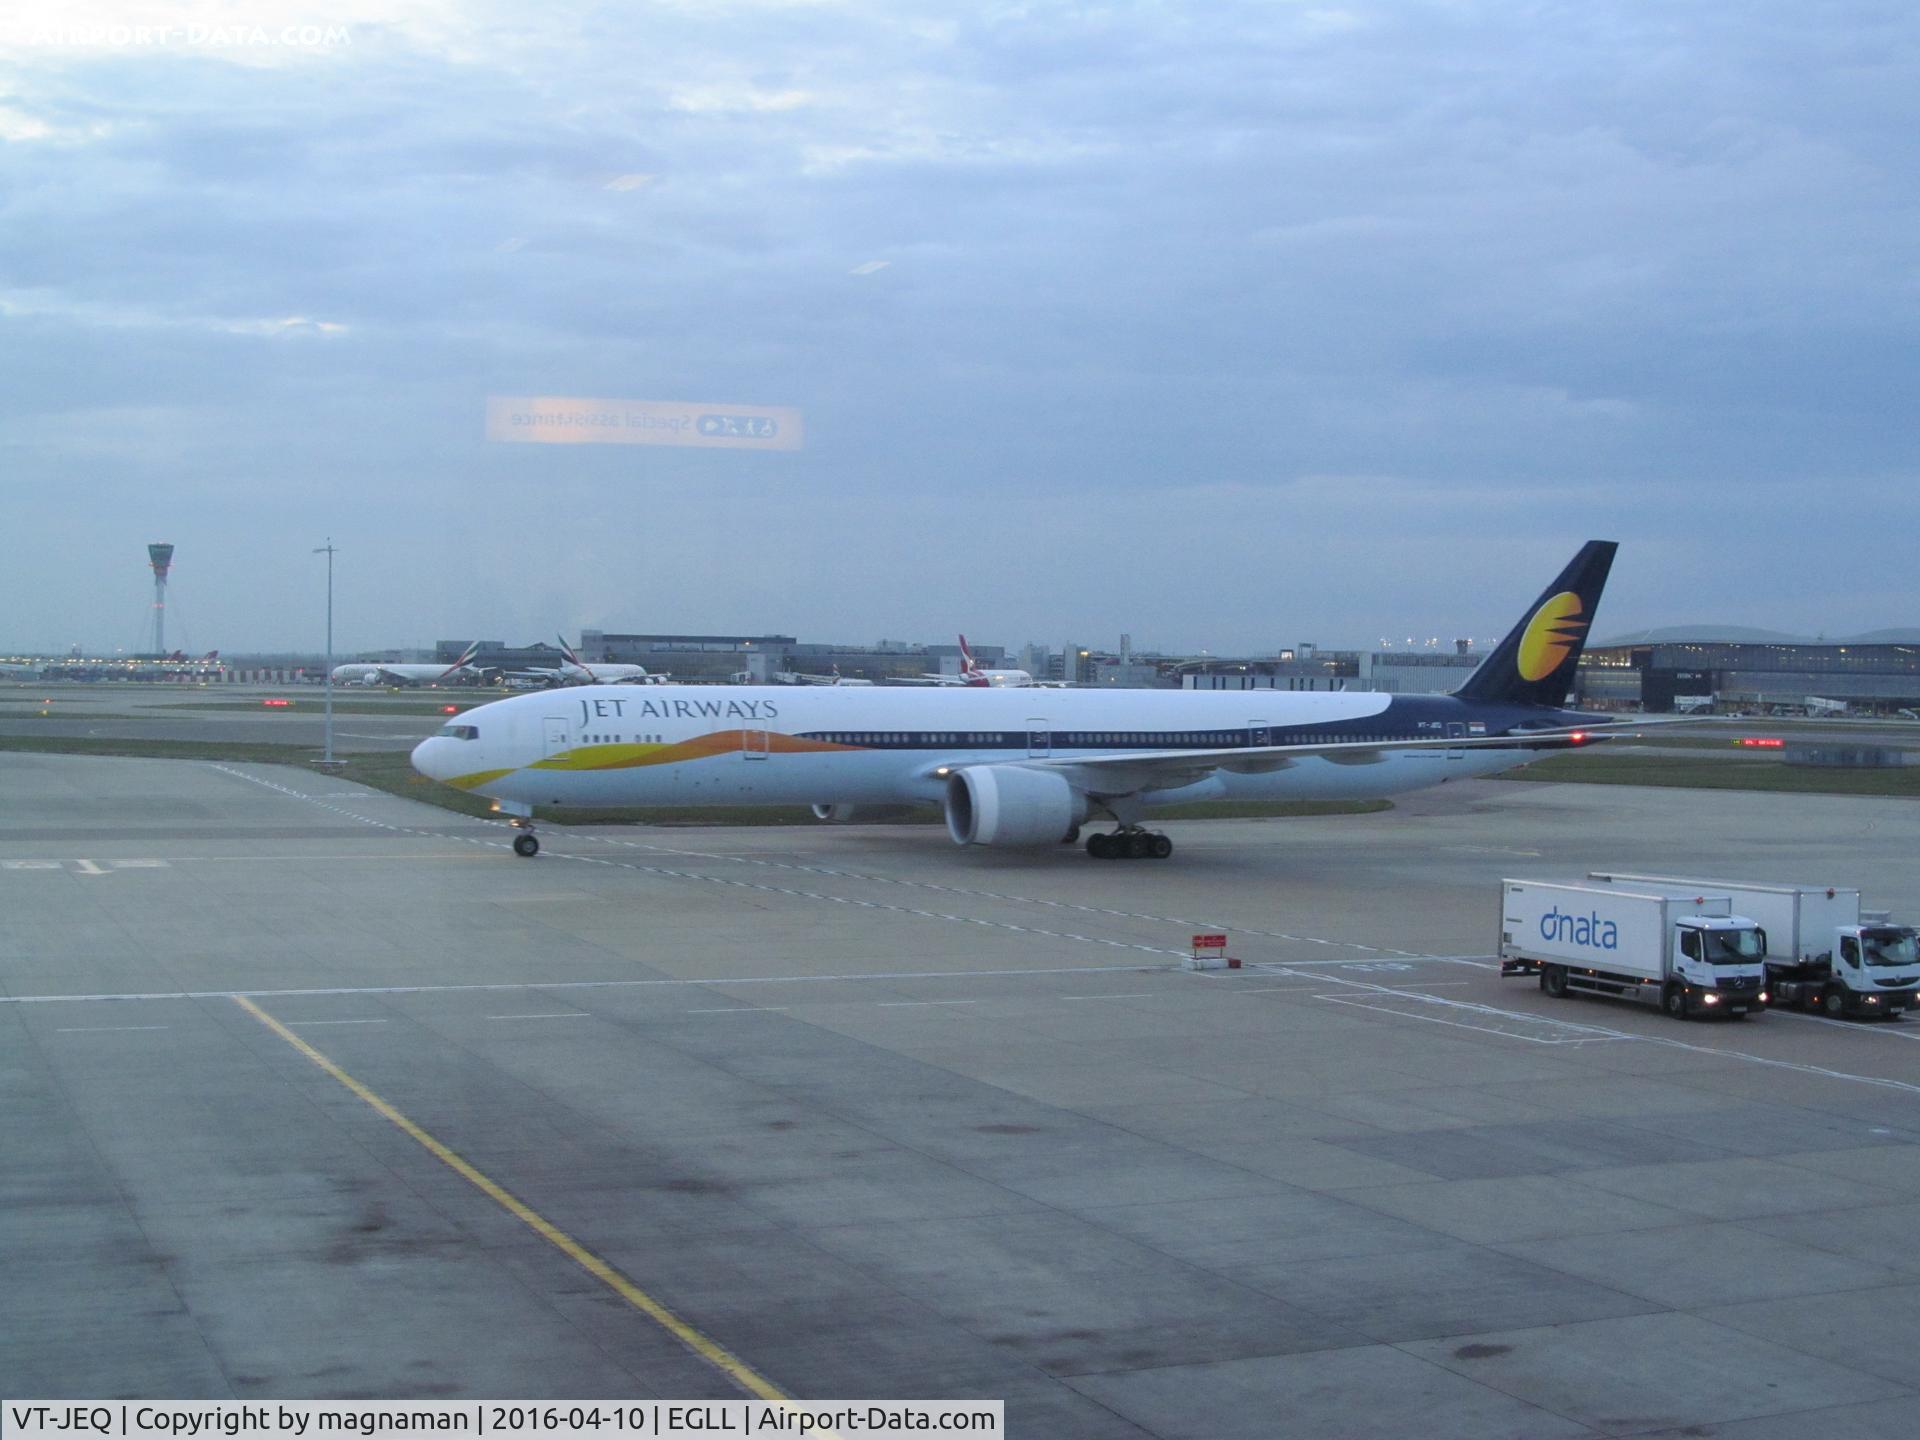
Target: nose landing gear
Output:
[(1129, 844), (526, 843)]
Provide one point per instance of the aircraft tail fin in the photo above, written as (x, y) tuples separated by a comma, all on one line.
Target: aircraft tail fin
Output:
[(465, 655), (573, 659), (1535, 664)]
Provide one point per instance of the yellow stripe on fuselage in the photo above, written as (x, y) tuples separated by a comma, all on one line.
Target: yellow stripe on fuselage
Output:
[(700, 747), (477, 778)]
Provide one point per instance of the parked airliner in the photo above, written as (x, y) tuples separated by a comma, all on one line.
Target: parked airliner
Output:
[(366, 672), (572, 670), (1019, 768), (974, 674)]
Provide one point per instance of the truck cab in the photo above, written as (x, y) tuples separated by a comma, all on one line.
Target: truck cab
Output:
[(1718, 961), (1874, 970)]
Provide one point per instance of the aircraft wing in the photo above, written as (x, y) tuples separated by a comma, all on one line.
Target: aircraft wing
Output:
[(1130, 772)]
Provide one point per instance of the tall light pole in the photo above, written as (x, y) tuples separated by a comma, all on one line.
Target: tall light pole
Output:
[(328, 550)]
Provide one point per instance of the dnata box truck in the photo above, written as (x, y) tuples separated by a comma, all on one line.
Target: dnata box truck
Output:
[(1689, 954), (1821, 948)]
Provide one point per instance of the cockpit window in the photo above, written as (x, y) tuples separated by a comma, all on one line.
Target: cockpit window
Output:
[(461, 732)]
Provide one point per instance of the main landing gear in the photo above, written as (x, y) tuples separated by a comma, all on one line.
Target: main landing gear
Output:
[(1129, 845), (526, 844)]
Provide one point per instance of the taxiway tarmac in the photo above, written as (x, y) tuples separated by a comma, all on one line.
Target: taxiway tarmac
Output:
[(873, 1116), (236, 714)]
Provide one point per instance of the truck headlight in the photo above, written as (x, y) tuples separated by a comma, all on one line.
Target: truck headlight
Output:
[(1709, 999), (1873, 999), (1763, 997)]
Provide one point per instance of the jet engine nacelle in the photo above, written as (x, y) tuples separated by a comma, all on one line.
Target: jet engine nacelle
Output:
[(1011, 805)]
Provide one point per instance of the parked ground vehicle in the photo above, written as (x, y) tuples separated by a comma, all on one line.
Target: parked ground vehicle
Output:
[(1821, 949), (1691, 955)]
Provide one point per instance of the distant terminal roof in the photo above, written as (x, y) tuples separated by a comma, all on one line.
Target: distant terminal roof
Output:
[(1744, 635)]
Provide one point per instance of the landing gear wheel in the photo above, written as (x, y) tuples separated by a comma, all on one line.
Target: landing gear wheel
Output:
[(1674, 1001), (1834, 1002), (1139, 845), (1100, 845), (526, 843), (1161, 847), (1553, 980)]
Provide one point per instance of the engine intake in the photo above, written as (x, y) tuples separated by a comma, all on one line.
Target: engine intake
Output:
[(1011, 805)]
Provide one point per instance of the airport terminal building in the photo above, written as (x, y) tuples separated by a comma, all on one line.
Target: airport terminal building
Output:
[(1661, 676)]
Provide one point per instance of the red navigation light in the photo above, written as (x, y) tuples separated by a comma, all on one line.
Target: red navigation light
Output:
[(276, 704), (1754, 742), (1579, 737), (449, 709)]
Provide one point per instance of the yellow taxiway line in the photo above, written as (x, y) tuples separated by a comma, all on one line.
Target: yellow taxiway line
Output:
[(715, 1354)]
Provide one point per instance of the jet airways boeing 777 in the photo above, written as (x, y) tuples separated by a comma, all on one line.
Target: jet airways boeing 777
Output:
[(1015, 767)]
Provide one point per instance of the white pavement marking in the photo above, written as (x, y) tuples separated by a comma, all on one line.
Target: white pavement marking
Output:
[(740, 1010), (1858, 1027), (105, 1029), (547, 1015), (1472, 1007), (522, 985), (914, 1004), (302, 1024), (1571, 1034), (1129, 995), (84, 867)]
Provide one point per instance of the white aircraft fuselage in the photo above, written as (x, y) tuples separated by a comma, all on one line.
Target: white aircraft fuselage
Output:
[(1025, 766), (358, 672), (626, 745)]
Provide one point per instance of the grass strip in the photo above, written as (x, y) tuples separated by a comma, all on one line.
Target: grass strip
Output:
[(1603, 768)]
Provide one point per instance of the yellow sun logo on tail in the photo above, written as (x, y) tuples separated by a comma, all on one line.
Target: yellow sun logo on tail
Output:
[(1556, 627)]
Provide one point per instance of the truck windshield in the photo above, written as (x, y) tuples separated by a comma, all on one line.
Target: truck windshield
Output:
[(1889, 947), (1733, 947)]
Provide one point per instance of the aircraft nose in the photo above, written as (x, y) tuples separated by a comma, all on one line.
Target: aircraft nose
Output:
[(425, 754)]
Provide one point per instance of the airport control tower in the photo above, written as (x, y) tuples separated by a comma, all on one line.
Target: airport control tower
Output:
[(161, 558)]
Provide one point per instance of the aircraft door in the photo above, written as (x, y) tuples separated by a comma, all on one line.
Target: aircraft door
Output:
[(555, 729), (1456, 730), (1260, 732), (1039, 738), (755, 744)]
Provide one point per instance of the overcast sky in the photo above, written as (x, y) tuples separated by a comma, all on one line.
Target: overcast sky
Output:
[(1228, 325)]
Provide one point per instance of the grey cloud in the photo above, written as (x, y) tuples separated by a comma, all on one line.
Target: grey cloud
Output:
[(1531, 273)]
